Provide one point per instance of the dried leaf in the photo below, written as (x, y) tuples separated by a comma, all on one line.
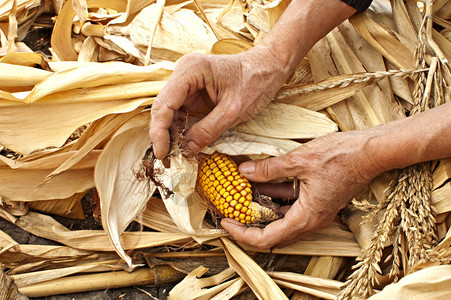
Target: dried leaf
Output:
[(95, 75), (70, 207), (257, 279), (93, 240), (12, 76), (122, 193), (174, 31), (384, 41), (21, 178), (278, 120), (191, 287), (61, 40), (233, 143), (430, 283), (183, 203)]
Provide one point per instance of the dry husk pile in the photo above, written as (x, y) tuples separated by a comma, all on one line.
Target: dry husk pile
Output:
[(78, 121)]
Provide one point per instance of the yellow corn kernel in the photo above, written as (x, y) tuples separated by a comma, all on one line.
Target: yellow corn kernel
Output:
[(229, 191), (225, 187)]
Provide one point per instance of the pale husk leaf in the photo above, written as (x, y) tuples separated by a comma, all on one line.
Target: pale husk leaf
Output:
[(237, 286), (41, 276), (429, 283), (95, 75), (93, 240), (12, 76), (174, 31), (319, 244), (384, 41), (234, 143), (156, 216), (22, 179), (257, 279), (193, 287), (278, 120), (70, 207), (91, 139), (319, 287), (183, 203), (122, 194), (38, 133), (61, 40)]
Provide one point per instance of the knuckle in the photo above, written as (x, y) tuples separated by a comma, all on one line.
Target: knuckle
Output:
[(233, 109), (266, 168), (190, 60), (206, 135)]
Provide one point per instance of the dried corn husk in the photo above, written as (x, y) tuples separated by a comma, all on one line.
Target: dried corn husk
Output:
[(430, 283), (8, 289), (191, 287), (15, 172), (93, 240), (174, 31), (257, 279), (185, 206), (279, 120), (120, 164)]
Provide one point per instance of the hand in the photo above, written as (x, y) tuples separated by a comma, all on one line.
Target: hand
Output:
[(235, 86), (331, 169)]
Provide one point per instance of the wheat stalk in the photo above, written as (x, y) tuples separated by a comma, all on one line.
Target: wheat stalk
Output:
[(345, 81), (408, 214), (361, 282)]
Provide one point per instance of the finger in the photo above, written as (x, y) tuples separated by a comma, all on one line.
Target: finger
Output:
[(179, 86), (254, 236), (274, 234), (161, 120), (210, 127), (279, 190), (299, 221), (271, 168)]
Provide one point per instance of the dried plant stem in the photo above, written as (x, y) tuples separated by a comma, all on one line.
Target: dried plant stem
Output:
[(345, 81), (375, 210), (361, 282), (408, 220), (417, 218), (396, 255)]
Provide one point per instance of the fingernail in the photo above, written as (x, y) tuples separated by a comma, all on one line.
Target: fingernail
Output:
[(247, 168), (193, 147)]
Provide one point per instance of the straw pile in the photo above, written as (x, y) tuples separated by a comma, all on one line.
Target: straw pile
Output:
[(77, 121)]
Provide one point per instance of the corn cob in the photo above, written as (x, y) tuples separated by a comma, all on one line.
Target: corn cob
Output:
[(229, 191)]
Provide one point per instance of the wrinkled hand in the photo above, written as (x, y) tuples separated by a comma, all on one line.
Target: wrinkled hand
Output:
[(331, 169), (235, 86)]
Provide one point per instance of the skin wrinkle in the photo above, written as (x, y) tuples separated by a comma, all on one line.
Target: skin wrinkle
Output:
[(209, 83)]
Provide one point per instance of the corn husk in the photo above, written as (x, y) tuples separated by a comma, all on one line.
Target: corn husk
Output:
[(174, 31), (257, 279), (433, 283), (92, 240), (191, 287), (119, 163), (279, 120)]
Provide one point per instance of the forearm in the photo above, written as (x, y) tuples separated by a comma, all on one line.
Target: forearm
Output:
[(302, 24), (423, 137)]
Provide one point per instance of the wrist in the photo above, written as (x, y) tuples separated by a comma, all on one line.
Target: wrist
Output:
[(275, 60)]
